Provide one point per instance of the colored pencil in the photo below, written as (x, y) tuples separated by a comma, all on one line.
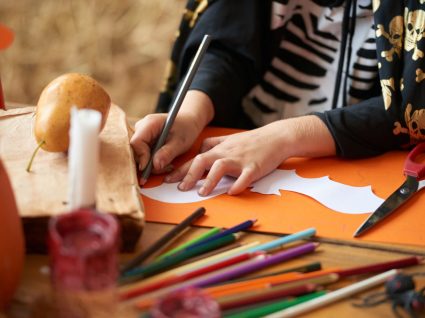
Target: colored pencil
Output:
[(307, 268), (171, 280), (213, 253), (284, 278), (217, 257), (260, 264), (255, 290), (234, 229), (225, 290), (188, 267), (148, 299), (265, 295), (163, 240), (272, 280), (247, 290), (201, 237), (381, 267), (176, 104), (253, 312), (334, 296), (285, 240), (168, 262)]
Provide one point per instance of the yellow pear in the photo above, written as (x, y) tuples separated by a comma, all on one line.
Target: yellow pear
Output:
[(52, 118), (53, 113)]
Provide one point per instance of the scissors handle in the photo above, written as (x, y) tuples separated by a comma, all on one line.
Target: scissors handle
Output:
[(412, 168)]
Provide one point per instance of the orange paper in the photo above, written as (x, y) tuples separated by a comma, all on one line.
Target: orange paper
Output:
[(292, 212)]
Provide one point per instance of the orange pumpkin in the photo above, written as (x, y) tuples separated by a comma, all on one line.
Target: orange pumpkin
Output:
[(11, 241)]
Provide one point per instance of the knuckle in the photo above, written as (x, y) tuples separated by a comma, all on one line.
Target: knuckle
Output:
[(252, 170), (199, 159), (207, 141), (221, 164)]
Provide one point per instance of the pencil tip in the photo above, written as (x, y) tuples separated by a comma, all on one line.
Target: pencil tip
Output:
[(142, 181)]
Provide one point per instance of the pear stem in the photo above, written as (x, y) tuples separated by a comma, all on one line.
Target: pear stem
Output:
[(41, 143)]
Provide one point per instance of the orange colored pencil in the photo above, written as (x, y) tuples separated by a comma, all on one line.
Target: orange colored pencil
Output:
[(271, 280), (248, 290), (266, 296), (316, 281)]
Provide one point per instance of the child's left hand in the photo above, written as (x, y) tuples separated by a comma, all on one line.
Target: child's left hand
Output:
[(250, 155), (247, 156)]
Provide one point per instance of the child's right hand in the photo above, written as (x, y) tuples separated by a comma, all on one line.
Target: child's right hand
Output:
[(181, 137), (194, 115)]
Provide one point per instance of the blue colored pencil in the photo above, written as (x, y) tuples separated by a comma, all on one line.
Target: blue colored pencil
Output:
[(240, 227), (284, 240)]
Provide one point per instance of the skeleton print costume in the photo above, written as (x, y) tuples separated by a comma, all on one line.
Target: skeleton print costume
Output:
[(356, 64)]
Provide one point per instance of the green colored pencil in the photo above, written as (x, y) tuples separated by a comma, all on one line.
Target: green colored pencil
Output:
[(253, 312), (166, 263), (201, 237)]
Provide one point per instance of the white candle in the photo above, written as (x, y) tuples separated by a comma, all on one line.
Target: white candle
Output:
[(83, 157)]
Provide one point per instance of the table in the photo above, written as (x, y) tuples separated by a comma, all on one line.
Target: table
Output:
[(35, 279)]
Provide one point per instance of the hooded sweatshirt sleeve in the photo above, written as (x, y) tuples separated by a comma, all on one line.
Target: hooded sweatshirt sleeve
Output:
[(361, 130)]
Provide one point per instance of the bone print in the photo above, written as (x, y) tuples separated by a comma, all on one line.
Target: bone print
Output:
[(394, 37), (420, 75), (386, 84), (415, 31)]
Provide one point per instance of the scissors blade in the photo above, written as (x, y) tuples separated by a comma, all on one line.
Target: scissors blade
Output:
[(395, 200)]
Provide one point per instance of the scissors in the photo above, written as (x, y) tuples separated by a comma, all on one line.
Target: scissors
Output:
[(415, 180)]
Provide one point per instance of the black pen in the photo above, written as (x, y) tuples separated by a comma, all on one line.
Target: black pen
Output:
[(176, 105)]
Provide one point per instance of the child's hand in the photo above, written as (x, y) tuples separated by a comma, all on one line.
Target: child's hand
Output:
[(250, 155), (247, 156), (196, 112), (181, 137)]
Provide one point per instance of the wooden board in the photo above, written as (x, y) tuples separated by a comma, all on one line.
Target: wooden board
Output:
[(43, 192)]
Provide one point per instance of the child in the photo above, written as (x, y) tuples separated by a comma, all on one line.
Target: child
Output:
[(289, 81)]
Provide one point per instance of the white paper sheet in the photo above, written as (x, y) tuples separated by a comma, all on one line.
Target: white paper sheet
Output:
[(334, 195)]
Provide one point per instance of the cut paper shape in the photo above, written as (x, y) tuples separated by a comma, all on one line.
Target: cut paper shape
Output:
[(169, 193), (334, 195)]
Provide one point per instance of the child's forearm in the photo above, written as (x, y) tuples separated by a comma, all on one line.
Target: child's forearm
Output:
[(305, 136), (199, 107)]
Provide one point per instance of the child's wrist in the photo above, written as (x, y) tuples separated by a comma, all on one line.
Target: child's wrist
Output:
[(198, 107)]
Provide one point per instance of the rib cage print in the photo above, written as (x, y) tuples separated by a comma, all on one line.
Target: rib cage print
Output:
[(301, 77)]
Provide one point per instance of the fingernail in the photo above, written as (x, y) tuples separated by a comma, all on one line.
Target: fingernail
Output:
[(169, 178), (169, 168), (202, 191), (161, 164), (182, 186)]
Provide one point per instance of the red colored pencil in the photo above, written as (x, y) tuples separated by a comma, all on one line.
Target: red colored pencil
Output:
[(380, 267), (168, 281)]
